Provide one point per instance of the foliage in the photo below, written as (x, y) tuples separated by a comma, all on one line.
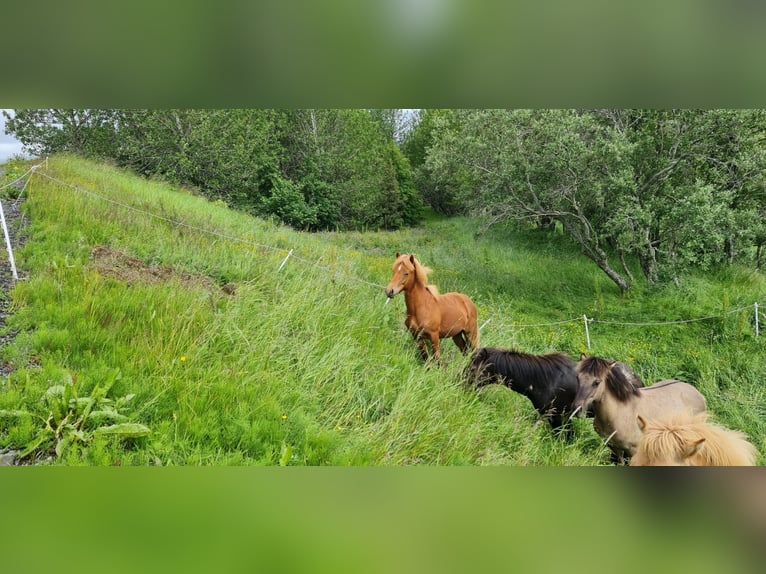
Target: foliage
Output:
[(88, 132), (551, 164), (66, 418), (336, 167), (438, 189), (13, 169), (306, 365), (674, 189)]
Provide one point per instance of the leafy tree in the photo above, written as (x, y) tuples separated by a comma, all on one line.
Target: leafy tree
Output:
[(46, 131), (437, 189), (698, 182), (229, 154), (674, 188), (347, 168), (533, 164), (314, 169)]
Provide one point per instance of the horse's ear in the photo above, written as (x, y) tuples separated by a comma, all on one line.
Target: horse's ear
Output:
[(412, 259), (641, 422), (397, 255), (583, 356), (693, 448)]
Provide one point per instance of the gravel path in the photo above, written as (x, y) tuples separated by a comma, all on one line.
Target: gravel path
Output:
[(17, 224)]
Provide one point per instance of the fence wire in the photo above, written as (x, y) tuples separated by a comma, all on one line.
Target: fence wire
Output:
[(290, 254)]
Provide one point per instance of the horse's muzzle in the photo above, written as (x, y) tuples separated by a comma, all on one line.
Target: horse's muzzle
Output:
[(578, 412), (390, 293)]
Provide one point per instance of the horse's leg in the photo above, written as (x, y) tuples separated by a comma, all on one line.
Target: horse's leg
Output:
[(419, 337), (435, 346), (472, 336), (460, 341), (617, 457), (422, 346)]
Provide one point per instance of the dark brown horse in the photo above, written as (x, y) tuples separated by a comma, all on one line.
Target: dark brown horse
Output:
[(549, 381), (432, 316)]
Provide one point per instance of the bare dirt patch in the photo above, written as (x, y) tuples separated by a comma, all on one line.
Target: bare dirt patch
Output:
[(110, 262)]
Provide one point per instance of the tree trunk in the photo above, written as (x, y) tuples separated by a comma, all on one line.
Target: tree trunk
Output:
[(618, 279), (592, 251), (648, 259), (625, 268)]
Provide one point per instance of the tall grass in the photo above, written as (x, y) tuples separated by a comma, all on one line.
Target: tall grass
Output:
[(308, 364)]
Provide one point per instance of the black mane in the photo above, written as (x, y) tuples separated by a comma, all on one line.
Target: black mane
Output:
[(515, 365), (549, 381)]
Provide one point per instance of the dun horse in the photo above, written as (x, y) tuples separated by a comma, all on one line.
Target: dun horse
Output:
[(549, 381), (615, 402), (691, 440), (432, 316)]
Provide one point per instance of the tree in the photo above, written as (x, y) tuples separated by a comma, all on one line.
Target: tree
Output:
[(440, 190), (46, 131), (313, 169), (350, 175), (677, 189), (698, 182), (533, 164)]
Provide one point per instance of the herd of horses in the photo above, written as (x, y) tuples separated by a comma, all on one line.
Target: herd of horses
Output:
[(663, 424)]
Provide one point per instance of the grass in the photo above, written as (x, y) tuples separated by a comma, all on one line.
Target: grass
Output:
[(191, 331)]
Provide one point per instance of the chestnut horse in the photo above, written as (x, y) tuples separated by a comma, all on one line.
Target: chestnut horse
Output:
[(691, 440), (430, 315), (615, 401)]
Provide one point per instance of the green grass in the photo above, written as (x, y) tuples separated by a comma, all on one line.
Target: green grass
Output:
[(309, 365)]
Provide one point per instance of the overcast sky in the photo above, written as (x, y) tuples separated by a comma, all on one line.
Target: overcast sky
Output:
[(8, 145)]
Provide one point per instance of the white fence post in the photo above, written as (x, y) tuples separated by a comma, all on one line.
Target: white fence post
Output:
[(587, 332), (285, 260), (8, 243)]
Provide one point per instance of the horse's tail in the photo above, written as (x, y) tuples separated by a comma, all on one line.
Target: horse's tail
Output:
[(473, 338), (472, 329)]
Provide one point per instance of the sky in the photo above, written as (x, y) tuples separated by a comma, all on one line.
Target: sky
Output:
[(9, 146)]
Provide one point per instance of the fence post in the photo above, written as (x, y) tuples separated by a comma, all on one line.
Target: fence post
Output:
[(756, 319), (8, 243), (587, 332), (285, 260)]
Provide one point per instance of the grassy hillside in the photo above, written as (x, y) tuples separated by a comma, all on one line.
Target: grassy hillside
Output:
[(156, 327)]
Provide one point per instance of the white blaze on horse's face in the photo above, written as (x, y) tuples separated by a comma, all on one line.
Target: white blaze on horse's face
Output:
[(402, 273)]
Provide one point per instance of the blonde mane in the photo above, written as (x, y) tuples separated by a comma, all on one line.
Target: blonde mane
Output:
[(421, 271), (696, 441), (421, 274)]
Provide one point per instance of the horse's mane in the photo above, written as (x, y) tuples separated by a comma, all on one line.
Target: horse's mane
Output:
[(668, 439), (525, 366), (613, 375), (421, 274), (421, 271)]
